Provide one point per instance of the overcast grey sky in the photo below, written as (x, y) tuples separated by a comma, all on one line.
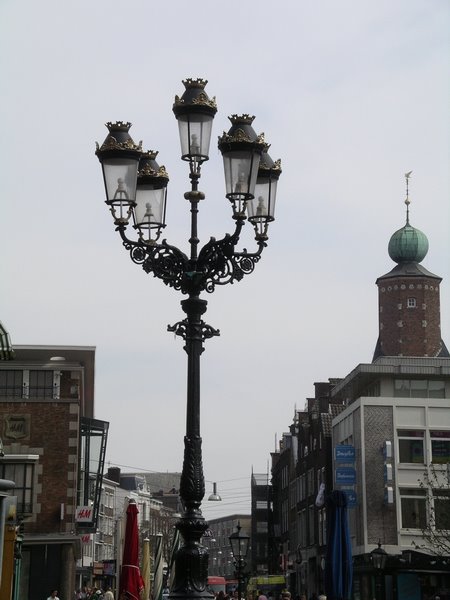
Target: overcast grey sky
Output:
[(350, 94)]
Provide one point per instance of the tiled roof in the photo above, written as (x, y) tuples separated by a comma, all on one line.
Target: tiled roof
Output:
[(326, 418)]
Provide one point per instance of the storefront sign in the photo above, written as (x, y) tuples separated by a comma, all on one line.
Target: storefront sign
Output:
[(84, 514), (344, 454), (345, 476)]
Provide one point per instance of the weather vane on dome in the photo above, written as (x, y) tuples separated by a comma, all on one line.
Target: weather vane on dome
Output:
[(407, 201)]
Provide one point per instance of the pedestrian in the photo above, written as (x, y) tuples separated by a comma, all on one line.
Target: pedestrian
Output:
[(108, 594), (262, 596), (53, 595), (322, 596)]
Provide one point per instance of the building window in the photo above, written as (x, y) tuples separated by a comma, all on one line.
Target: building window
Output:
[(440, 447), (41, 384), (373, 390), (419, 388), (11, 383), (302, 487), (412, 303), (410, 446), (436, 389), (292, 495), (322, 513), (413, 508), (22, 473), (261, 527), (311, 537), (261, 505), (310, 482), (284, 516), (441, 500)]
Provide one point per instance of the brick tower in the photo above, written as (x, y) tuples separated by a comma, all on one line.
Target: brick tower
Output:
[(408, 298)]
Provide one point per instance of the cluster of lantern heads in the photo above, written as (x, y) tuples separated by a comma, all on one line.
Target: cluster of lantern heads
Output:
[(136, 186)]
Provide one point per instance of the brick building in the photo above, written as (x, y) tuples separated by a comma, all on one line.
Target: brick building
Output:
[(46, 424), (408, 300)]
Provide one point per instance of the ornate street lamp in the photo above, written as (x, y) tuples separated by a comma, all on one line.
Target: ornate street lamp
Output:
[(239, 547), (379, 558), (136, 190)]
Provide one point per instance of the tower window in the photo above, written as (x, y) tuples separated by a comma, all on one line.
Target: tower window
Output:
[(412, 303)]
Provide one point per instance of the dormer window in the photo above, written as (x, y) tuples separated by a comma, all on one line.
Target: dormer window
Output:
[(412, 303)]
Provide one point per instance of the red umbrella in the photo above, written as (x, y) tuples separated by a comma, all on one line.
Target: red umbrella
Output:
[(131, 582)]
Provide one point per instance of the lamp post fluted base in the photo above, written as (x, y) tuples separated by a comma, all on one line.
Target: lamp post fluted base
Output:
[(191, 569), (191, 561)]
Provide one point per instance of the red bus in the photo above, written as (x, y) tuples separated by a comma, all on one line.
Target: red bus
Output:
[(216, 584)]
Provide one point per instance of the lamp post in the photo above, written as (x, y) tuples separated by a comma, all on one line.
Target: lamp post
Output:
[(239, 547), (136, 191), (379, 558)]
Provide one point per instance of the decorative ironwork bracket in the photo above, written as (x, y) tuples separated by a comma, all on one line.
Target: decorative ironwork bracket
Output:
[(202, 332), (217, 263)]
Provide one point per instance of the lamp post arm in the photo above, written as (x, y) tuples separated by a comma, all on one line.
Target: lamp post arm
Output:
[(162, 260), (219, 262)]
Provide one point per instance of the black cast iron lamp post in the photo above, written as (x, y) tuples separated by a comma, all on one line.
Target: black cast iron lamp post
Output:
[(136, 189), (239, 547)]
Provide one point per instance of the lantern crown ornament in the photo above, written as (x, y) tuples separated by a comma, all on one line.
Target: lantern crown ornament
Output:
[(194, 96), (241, 131), (195, 111), (118, 139)]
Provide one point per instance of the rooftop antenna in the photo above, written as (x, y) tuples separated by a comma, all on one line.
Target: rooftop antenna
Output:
[(407, 201)]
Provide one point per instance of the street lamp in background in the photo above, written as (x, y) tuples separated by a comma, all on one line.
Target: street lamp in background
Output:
[(214, 497), (136, 193), (239, 547), (379, 558)]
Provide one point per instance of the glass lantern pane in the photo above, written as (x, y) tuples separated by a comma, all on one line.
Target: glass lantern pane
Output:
[(235, 546), (238, 173), (263, 204), (120, 175), (195, 135), (149, 210)]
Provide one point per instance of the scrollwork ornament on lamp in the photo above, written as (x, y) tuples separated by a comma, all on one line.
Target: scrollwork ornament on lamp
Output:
[(136, 190)]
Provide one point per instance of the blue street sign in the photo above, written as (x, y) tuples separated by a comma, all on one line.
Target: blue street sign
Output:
[(351, 498), (344, 454), (345, 476)]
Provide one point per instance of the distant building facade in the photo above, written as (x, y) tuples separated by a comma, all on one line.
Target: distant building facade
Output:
[(264, 551), (217, 541)]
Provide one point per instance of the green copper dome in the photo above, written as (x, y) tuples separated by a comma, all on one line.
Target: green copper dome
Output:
[(408, 245)]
